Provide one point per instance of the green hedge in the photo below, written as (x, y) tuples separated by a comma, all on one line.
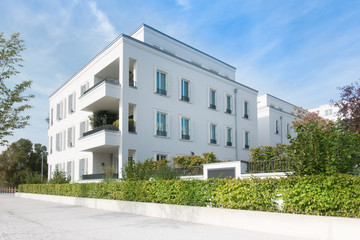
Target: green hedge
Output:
[(318, 195)]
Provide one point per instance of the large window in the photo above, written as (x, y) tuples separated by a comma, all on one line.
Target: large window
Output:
[(58, 142), (276, 126), (161, 83), (51, 145), (229, 141), (51, 116), (59, 111), (71, 137), (328, 112), (132, 72), (161, 124), (246, 109), (246, 140), (161, 156), (212, 99), (213, 133), (71, 103), (84, 127), (228, 101), (185, 128), (185, 90), (287, 128)]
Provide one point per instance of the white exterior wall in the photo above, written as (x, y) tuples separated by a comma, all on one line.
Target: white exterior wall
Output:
[(270, 110), (326, 111), (144, 141)]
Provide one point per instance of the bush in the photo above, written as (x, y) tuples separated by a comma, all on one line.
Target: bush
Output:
[(59, 177), (194, 160), (337, 195), (33, 178), (102, 118)]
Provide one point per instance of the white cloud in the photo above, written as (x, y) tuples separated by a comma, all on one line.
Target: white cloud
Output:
[(104, 26), (186, 4)]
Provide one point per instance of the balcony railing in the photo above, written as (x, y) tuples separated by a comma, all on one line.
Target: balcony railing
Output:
[(98, 129), (185, 98), (246, 146), (132, 83), (213, 141), (107, 79), (132, 128), (212, 106), (229, 144), (97, 176), (161, 133), (190, 171), (185, 136), (246, 116), (228, 110), (267, 166), (161, 91)]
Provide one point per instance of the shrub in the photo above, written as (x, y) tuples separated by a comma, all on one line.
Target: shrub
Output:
[(194, 160), (59, 177), (102, 118)]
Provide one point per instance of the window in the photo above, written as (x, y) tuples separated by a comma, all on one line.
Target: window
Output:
[(59, 111), (287, 128), (58, 142), (228, 102), (276, 126), (83, 165), (246, 140), (51, 145), (212, 99), (185, 90), (132, 72), (160, 157), (328, 112), (132, 118), (51, 116), (161, 124), (71, 137), (71, 103), (63, 144), (185, 128), (84, 127), (161, 82), (84, 88), (246, 109), (213, 133), (229, 137)]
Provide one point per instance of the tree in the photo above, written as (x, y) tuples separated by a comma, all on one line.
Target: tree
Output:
[(20, 160), (322, 147), (12, 98), (349, 106)]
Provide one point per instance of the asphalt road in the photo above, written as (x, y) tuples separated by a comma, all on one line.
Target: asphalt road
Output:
[(22, 218)]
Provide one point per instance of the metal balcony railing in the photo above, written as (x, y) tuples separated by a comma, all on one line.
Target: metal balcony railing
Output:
[(161, 91), (98, 129), (161, 133), (190, 171), (185, 98), (185, 136), (212, 106), (107, 79), (268, 166)]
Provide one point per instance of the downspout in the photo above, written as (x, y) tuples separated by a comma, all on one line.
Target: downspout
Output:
[(281, 136), (235, 112)]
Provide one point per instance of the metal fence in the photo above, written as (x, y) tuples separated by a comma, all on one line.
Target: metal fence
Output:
[(4, 190), (190, 171), (269, 166)]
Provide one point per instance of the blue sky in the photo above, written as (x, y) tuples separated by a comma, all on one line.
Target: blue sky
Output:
[(299, 51)]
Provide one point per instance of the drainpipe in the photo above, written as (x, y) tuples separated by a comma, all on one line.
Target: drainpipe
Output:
[(235, 112), (281, 136)]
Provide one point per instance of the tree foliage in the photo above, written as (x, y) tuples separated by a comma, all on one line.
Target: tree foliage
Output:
[(59, 177), (349, 106), (194, 160), (322, 147), (20, 161), (13, 102)]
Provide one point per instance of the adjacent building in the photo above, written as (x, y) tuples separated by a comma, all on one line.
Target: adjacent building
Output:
[(275, 117), (169, 98), (327, 111)]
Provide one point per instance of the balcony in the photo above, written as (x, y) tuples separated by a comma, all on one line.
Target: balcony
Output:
[(212, 106), (102, 139), (103, 96)]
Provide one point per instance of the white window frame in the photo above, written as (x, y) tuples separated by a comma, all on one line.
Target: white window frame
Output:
[(167, 125), (210, 89), (167, 82), (216, 133), (51, 116), (226, 136), (134, 72), (51, 144), (190, 128), (288, 128), (276, 127), (226, 95), (86, 127), (249, 139), (247, 112), (163, 154), (71, 142), (71, 102), (58, 141), (181, 79), (86, 87)]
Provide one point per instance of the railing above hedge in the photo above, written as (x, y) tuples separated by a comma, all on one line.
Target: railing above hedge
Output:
[(269, 166)]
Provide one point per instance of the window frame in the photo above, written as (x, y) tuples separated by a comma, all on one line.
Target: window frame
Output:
[(167, 124), (231, 103), (158, 90), (181, 97), (246, 140), (212, 141), (212, 105), (226, 137), (246, 109), (181, 135)]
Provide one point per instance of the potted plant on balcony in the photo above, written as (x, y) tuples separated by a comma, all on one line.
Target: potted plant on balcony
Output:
[(102, 118)]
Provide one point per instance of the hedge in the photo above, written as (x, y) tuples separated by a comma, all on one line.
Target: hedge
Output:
[(337, 195)]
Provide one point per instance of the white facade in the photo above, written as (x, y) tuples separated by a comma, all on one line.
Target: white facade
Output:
[(180, 99), (275, 117), (326, 111)]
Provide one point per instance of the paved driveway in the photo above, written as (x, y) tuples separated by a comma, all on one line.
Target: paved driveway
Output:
[(22, 218)]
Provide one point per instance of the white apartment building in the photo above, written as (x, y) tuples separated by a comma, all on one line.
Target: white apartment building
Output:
[(170, 98), (275, 117), (326, 111)]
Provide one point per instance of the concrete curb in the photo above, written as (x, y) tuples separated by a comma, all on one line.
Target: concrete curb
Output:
[(295, 225)]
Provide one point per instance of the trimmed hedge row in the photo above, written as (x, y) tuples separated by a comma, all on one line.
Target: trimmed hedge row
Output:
[(317, 195)]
